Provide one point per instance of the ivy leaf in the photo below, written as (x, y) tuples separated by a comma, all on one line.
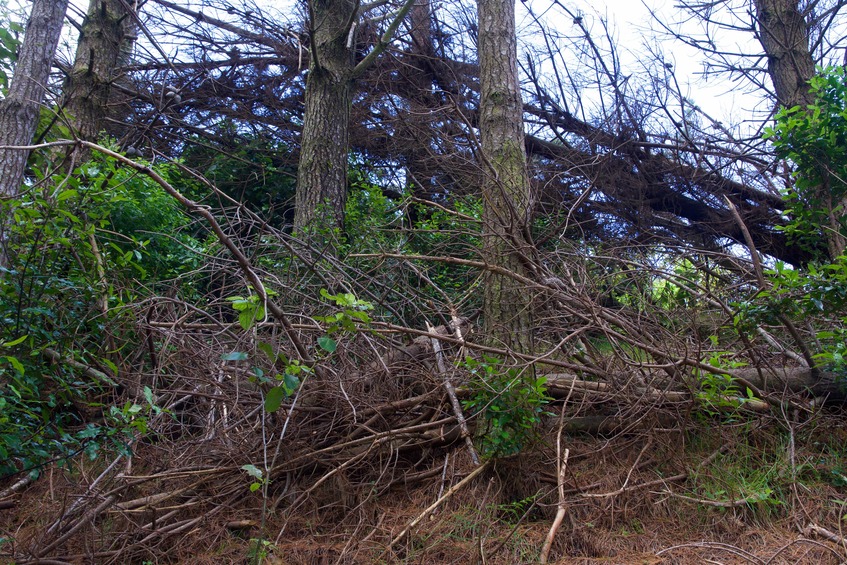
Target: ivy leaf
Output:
[(274, 399), (327, 344), (253, 471), (246, 318), (234, 356)]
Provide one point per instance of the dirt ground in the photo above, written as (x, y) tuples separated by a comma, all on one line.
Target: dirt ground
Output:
[(749, 492)]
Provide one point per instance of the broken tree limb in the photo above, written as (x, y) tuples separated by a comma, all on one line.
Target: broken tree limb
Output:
[(451, 393), (87, 370), (421, 349), (777, 380)]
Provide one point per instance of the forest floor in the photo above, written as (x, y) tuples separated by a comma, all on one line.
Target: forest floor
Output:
[(753, 491)]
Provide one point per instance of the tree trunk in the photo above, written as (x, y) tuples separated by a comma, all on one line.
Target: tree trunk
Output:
[(322, 171), (20, 109), (105, 43), (506, 189), (785, 39)]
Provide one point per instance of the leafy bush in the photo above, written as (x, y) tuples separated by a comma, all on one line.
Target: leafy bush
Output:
[(76, 245), (815, 140), (509, 405)]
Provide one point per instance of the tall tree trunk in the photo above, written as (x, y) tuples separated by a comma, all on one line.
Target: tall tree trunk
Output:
[(785, 38), (105, 42), (506, 190), (20, 109), (322, 171)]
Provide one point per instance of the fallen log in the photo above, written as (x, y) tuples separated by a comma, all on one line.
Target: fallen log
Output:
[(829, 387)]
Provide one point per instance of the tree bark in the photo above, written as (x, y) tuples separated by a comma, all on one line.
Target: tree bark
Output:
[(785, 39), (322, 171), (506, 191), (105, 43), (20, 109)]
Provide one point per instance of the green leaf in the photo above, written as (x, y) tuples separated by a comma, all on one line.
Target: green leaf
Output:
[(274, 398), (253, 471), (267, 349), (148, 395), (246, 318), (65, 194), (14, 342), (327, 344), (15, 363), (290, 383), (255, 486), (89, 432), (234, 356), (111, 365)]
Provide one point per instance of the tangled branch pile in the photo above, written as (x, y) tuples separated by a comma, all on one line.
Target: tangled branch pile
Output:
[(341, 386)]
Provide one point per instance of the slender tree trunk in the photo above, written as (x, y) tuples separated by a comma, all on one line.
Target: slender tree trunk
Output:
[(20, 109), (105, 42), (506, 190), (322, 171)]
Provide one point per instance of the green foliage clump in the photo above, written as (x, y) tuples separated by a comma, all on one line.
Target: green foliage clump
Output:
[(509, 405), (10, 42), (372, 221), (252, 171), (77, 246), (815, 140)]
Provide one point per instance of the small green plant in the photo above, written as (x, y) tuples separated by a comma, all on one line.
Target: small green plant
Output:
[(260, 549), (251, 309), (718, 393), (352, 310), (513, 512), (259, 477), (509, 405)]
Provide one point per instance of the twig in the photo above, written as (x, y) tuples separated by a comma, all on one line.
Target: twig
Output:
[(560, 511), (54, 355), (562, 462), (746, 555), (455, 488), (716, 503), (824, 533), (451, 392)]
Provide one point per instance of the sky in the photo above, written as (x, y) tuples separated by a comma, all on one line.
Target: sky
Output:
[(633, 27)]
